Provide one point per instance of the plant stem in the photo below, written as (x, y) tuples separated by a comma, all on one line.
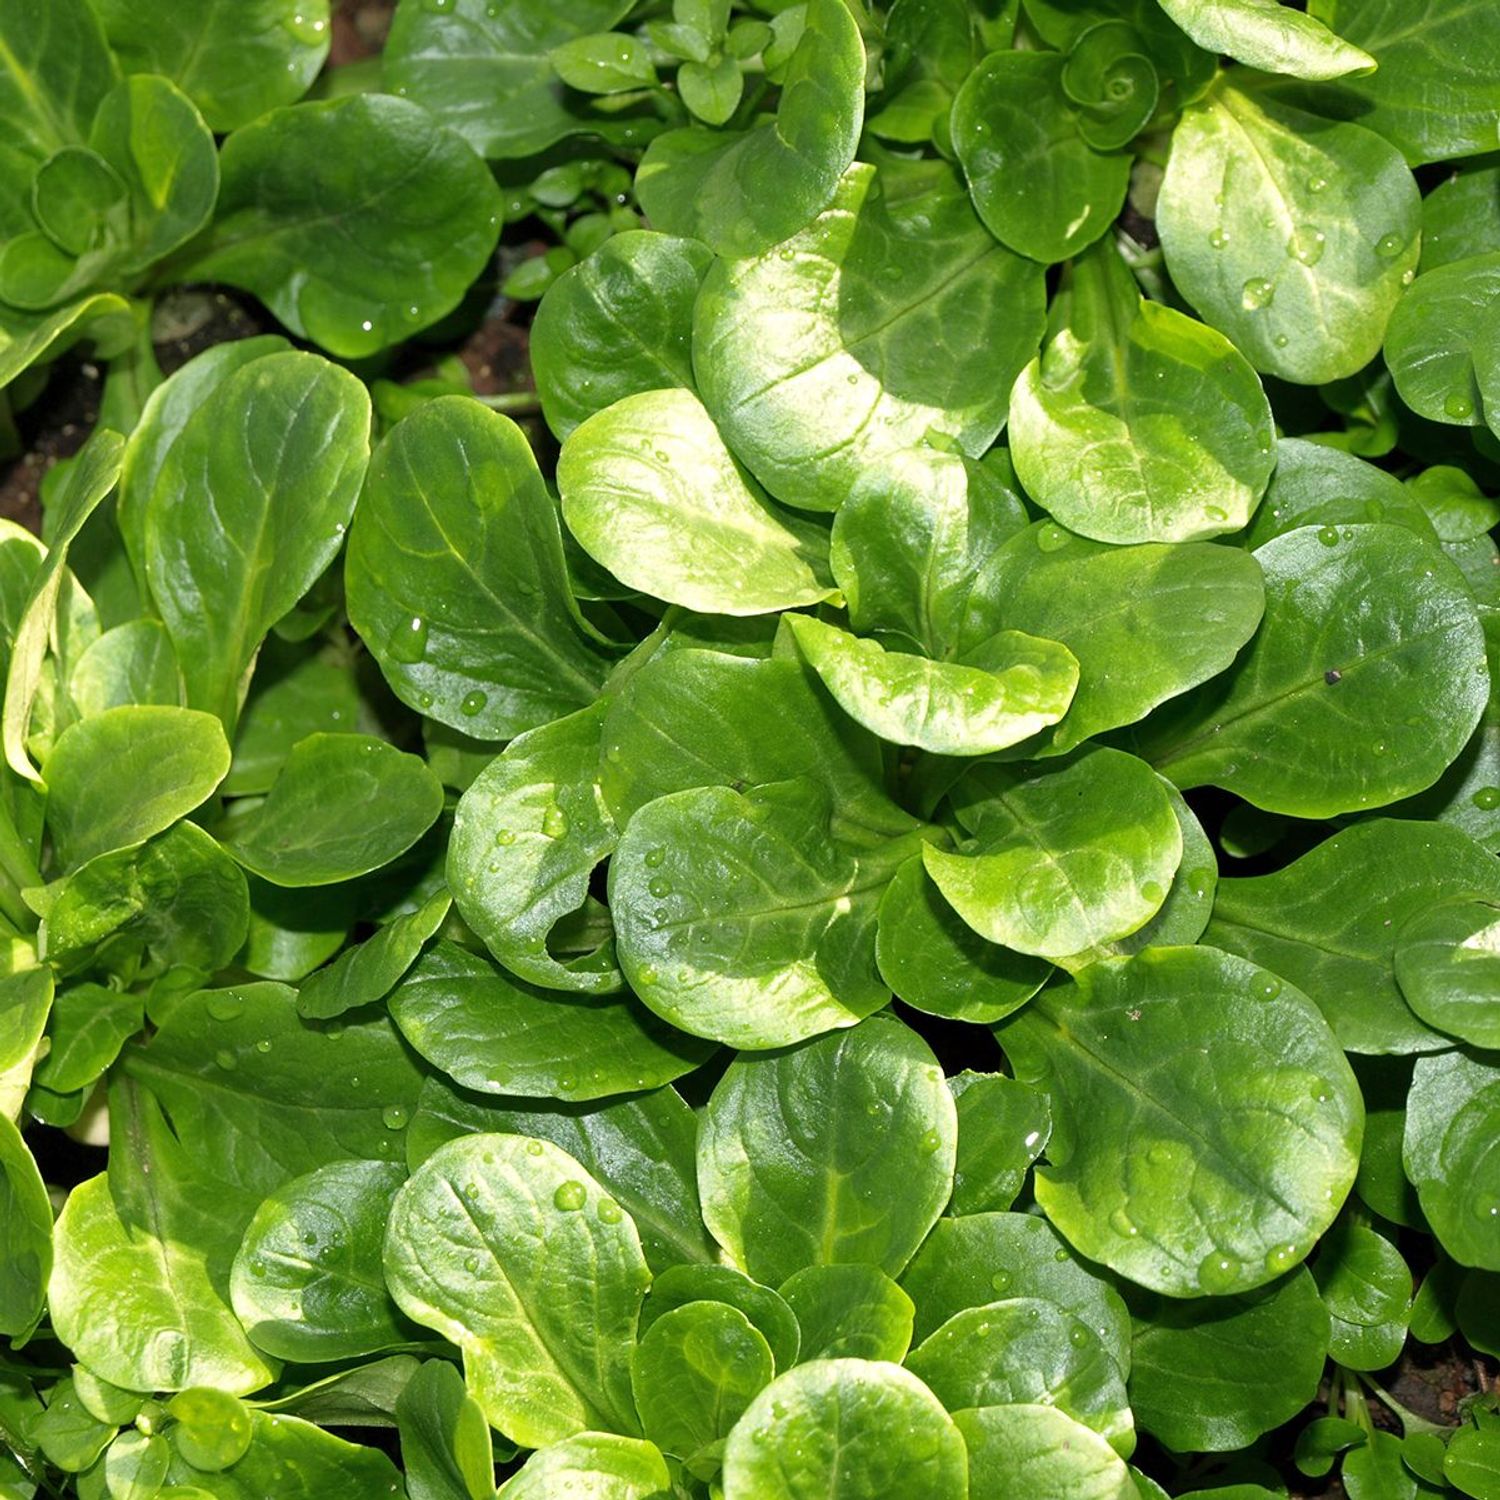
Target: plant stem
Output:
[(513, 403)]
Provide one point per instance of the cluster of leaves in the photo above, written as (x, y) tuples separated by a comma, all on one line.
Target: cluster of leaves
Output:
[(471, 907)]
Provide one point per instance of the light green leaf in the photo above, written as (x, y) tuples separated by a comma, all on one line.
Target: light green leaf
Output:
[(678, 1286), (845, 1427), (123, 775), (503, 1036), (609, 1467), (371, 970), (341, 806), (25, 1235), (840, 1150), (1451, 1123), (234, 64), (653, 494), (1215, 1373), (1007, 689), (305, 222), (247, 505), (742, 191), (1436, 334), (57, 68), (1448, 966), (485, 70), (937, 963), (604, 62), (212, 1428), (1037, 184), (744, 918), (1268, 35), (640, 1149), (1178, 614), (446, 1449), (617, 324), (133, 663), (1027, 1350), (849, 1312), (89, 1025), (816, 357), (1189, 1059), (25, 1003), (527, 836), (1061, 860), (456, 578), (307, 1282), (1039, 1450), (1367, 1289), (1333, 710), (26, 338), (1330, 922), (1305, 269), (546, 1320), (694, 1372), (1138, 423)]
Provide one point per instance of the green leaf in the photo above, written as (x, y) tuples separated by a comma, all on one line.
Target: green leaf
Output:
[(136, 1464), (502, 1036), (307, 1282), (694, 1372), (123, 775), (234, 65), (25, 1003), (293, 1460), (1305, 270), (1178, 614), (490, 76), (1038, 185), (840, 1150), (280, 446), (849, 1312), (1315, 485), (653, 494), (678, 1286), (1448, 967), (91, 477), (816, 357), (742, 191), (446, 1449), (372, 969), (1039, 1450), (138, 1307), (1434, 342), (1330, 922), (213, 1430), (1367, 1289), (179, 894), (937, 963), (341, 806), (305, 221), (844, 1427), (1011, 687), (527, 837), (641, 1149), (456, 578), (745, 918), (26, 338), (1061, 860), (57, 68), (1003, 1127), (1270, 1118), (1268, 35), (1433, 92), (1472, 1462), (617, 324), (1027, 1350), (133, 663), (1450, 1132), (1114, 85), (1138, 423), (1461, 217), (89, 1025), (609, 1467), (25, 1235), (546, 1321), (1215, 1373), (711, 91), (1407, 669), (604, 62)]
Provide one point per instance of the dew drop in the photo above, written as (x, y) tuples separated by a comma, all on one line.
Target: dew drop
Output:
[(1328, 535), (1256, 294), (1121, 1223), (659, 886), (263, 1045), (554, 822), (471, 1264), (1306, 245), (1321, 1090), (1316, 184), (1281, 1258), (609, 1211), (1059, 1254), (394, 1117), (409, 644), (1050, 537), (1161, 1153), (930, 1142), (1219, 237), (1153, 892), (1459, 407), (570, 1197), (505, 837), (1215, 512), (1001, 1281), (654, 857), (1078, 1336), (534, 1148), (1487, 798), (226, 1059), (1218, 1273), (226, 1007), (1389, 245), (1267, 987), (473, 703)]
